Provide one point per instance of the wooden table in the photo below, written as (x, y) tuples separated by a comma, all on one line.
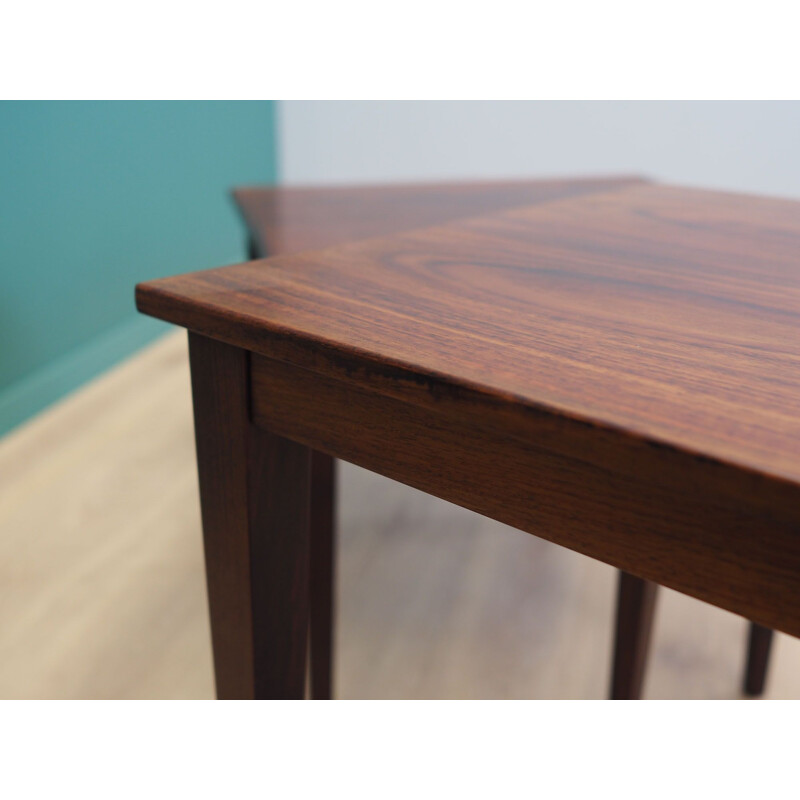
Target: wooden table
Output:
[(611, 365)]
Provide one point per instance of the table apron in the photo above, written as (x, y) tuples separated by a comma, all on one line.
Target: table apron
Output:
[(722, 534)]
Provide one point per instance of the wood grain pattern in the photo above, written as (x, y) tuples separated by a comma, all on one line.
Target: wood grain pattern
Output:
[(684, 523), (629, 359), (322, 538), (285, 220), (254, 498), (659, 313)]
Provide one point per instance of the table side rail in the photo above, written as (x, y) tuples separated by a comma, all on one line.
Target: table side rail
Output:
[(724, 535)]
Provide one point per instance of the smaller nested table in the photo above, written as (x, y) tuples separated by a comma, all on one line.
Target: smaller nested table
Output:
[(611, 365)]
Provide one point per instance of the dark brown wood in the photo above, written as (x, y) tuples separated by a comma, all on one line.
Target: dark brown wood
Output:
[(665, 315), (322, 544), (684, 523), (636, 604), (632, 633), (617, 373), (323, 574), (321, 550), (285, 220), (759, 644), (254, 499)]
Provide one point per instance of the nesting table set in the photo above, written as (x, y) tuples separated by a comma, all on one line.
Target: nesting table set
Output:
[(610, 364)]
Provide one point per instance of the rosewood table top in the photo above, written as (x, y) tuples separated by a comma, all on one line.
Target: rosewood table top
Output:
[(647, 333)]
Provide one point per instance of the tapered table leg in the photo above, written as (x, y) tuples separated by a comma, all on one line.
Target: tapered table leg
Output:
[(323, 572), (323, 558), (759, 644), (254, 496), (636, 599)]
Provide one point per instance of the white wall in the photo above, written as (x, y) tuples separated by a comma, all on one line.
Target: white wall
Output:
[(741, 146)]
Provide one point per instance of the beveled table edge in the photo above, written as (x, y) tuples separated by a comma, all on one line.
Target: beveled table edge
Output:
[(398, 379)]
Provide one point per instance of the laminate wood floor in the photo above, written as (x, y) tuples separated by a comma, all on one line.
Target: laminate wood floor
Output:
[(102, 592)]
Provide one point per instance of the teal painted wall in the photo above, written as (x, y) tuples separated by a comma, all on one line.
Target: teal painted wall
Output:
[(94, 197)]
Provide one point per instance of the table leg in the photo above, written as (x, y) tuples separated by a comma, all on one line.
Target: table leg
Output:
[(323, 571), (636, 602), (758, 647), (254, 497), (323, 558)]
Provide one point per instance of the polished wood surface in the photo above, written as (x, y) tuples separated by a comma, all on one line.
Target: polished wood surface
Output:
[(282, 219), (632, 353), (287, 219), (254, 494), (290, 219), (321, 529), (687, 524), (662, 314)]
